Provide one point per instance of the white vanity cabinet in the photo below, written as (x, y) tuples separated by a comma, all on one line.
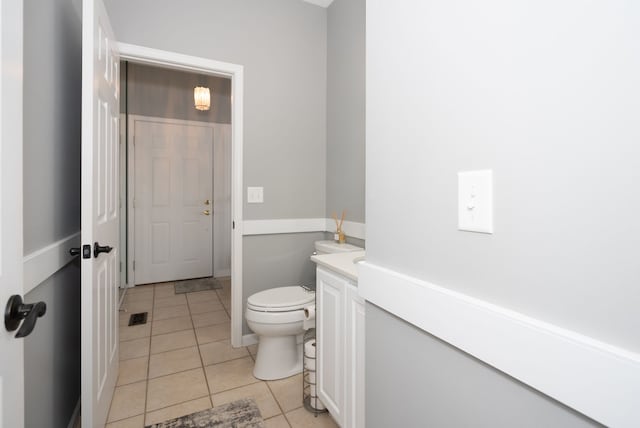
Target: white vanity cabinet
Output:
[(340, 328)]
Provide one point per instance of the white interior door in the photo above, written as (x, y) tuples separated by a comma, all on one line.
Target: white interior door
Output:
[(173, 201), (222, 200), (11, 349), (100, 133)]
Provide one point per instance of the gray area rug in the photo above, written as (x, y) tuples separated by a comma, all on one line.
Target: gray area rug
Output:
[(242, 413), (198, 284)]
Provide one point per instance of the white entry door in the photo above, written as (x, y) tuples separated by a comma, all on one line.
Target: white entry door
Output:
[(11, 349), (100, 134), (173, 201)]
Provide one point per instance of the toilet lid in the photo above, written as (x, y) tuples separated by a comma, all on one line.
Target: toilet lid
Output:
[(281, 299)]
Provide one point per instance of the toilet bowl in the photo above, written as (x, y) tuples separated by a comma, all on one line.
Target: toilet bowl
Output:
[(276, 316)]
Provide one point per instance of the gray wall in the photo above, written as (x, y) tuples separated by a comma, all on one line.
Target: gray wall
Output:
[(546, 96), (345, 108), (52, 96), (443, 387), (282, 46), (52, 352), (161, 92), (277, 261)]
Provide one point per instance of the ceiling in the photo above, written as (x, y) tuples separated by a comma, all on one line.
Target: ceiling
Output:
[(322, 3)]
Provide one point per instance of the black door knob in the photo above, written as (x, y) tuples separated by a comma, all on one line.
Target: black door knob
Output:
[(97, 249), (16, 311)]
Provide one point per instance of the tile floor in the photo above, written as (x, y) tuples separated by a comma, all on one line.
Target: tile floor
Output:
[(182, 362)]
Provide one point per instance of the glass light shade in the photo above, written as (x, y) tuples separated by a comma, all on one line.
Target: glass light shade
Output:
[(202, 98)]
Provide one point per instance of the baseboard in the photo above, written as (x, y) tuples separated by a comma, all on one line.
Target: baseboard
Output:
[(74, 416), (301, 225), (249, 339), (41, 264), (595, 378)]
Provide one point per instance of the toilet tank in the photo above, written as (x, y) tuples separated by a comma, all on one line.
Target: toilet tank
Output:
[(329, 247)]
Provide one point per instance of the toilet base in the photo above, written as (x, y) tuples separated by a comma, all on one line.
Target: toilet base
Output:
[(278, 357)]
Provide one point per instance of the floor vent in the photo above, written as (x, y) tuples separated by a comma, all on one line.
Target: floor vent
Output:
[(137, 319)]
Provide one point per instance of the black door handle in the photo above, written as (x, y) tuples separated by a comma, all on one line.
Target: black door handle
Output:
[(74, 251), (97, 249), (16, 311)]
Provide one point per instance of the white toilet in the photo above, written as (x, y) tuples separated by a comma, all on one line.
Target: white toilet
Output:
[(276, 316)]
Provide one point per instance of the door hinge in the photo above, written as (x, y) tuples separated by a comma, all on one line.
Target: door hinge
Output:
[(233, 225), (134, 265), (120, 266), (134, 203)]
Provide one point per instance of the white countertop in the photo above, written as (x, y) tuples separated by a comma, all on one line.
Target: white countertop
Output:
[(341, 263)]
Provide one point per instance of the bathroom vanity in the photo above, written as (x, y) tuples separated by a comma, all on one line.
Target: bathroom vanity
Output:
[(340, 332)]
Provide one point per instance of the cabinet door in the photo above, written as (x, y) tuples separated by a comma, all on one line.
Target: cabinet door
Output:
[(354, 406), (330, 321)]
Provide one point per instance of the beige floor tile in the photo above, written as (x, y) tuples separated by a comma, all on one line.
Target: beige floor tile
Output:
[(202, 296), (164, 302), (135, 422), (210, 318), (301, 418), (134, 348), (134, 331), (178, 410), (170, 325), (140, 289), (253, 349), (171, 341), (168, 285), (219, 352), (288, 392), (230, 374), (138, 306), (277, 422), (165, 292), (201, 307), (170, 312), (174, 361), (133, 370), (128, 401), (213, 333), (142, 296), (258, 391), (176, 388)]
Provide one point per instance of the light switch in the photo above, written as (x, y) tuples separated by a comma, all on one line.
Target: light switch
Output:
[(255, 195), (475, 201)]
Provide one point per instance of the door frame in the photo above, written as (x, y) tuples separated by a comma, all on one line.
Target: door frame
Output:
[(177, 61), (131, 174)]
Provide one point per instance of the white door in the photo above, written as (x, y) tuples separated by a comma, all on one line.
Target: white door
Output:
[(11, 349), (173, 201), (100, 133)]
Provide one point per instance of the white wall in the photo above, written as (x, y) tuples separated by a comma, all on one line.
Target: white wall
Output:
[(545, 94)]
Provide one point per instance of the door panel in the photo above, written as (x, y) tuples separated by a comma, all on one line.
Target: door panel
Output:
[(173, 235), (100, 224), (11, 251)]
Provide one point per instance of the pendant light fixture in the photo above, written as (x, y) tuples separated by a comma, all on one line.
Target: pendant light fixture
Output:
[(202, 98)]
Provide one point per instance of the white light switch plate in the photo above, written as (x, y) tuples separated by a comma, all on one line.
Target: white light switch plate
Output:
[(255, 195), (475, 201)]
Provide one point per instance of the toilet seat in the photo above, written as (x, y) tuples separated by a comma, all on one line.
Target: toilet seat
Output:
[(281, 299)]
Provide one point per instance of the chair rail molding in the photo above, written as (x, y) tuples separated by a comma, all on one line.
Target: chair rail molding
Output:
[(42, 263)]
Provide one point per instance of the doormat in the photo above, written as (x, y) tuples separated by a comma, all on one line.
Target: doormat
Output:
[(198, 284), (138, 319), (242, 413)]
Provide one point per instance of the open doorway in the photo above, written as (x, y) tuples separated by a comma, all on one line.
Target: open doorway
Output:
[(231, 261), (177, 181)]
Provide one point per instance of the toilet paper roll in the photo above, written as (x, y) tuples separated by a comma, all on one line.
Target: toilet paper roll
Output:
[(310, 355), (310, 365), (310, 312)]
